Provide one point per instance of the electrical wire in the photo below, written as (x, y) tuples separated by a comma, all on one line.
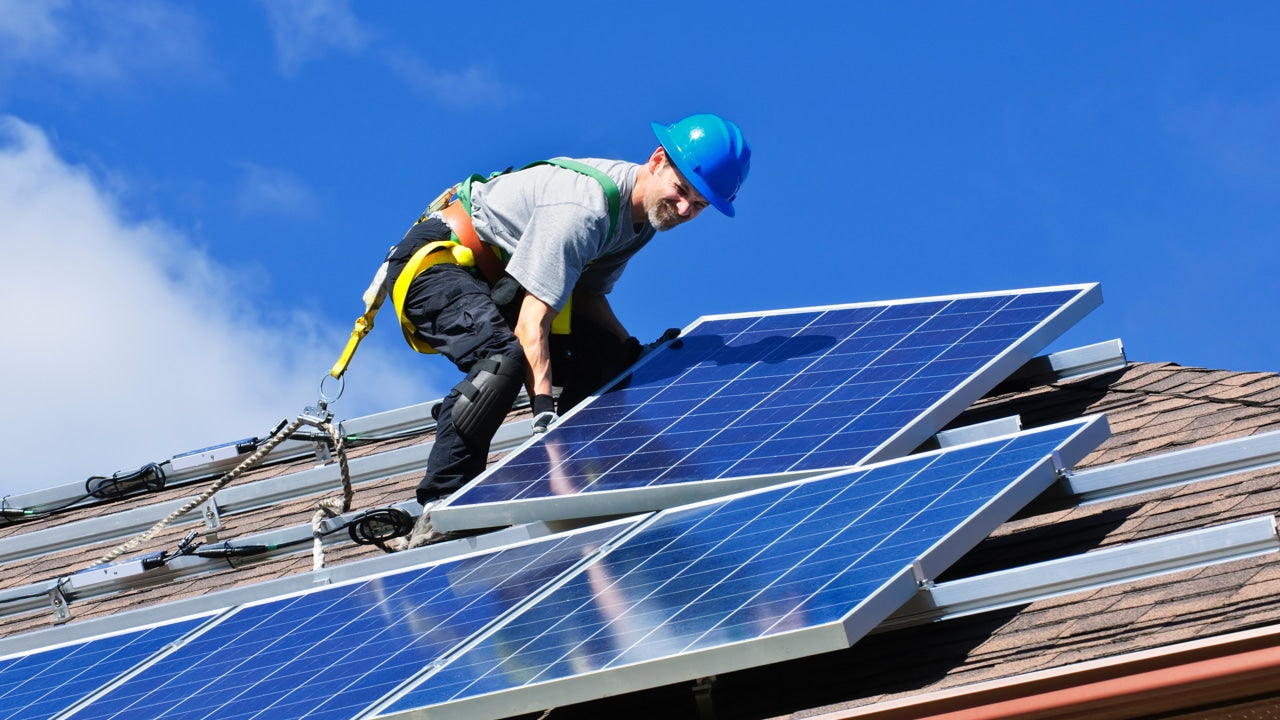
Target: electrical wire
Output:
[(151, 478), (15, 515), (148, 478), (378, 526)]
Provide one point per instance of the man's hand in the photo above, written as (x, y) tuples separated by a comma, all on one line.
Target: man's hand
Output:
[(670, 334), (544, 413)]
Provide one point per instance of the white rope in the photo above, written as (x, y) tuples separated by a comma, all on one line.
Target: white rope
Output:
[(330, 507), (202, 498), (327, 506), (422, 530)]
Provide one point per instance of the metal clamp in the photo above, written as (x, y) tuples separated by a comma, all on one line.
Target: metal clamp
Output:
[(61, 606), (319, 415), (212, 520)]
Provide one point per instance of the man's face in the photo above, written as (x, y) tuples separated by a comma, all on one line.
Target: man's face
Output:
[(669, 199)]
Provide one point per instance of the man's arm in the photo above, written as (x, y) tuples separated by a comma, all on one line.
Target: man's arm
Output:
[(533, 330)]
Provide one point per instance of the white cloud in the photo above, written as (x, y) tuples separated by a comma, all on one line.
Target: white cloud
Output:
[(92, 41), (29, 27), (307, 30), (268, 190), (469, 87), (125, 345)]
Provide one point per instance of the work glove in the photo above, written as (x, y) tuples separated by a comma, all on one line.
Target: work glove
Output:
[(544, 413), (670, 334)]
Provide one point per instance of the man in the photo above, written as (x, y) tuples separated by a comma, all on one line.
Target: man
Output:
[(542, 238)]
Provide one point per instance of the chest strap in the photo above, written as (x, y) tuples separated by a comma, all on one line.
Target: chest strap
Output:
[(458, 219), (462, 215)]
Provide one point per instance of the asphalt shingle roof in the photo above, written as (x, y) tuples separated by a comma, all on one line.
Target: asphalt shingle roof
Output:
[(1152, 408)]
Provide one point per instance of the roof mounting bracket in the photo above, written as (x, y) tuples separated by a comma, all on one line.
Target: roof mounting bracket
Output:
[(61, 606), (978, 432), (1066, 365), (917, 572), (323, 455), (1060, 469), (1176, 467), (702, 688), (1132, 561), (212, 520), (319, 416)]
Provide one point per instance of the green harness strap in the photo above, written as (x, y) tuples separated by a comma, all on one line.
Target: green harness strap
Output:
[(563, 322), (612, 195)]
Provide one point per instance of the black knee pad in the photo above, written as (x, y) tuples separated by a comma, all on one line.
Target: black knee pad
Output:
[(486, 395)]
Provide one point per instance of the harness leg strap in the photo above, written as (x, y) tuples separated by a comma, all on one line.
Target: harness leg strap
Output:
[(485, 397)]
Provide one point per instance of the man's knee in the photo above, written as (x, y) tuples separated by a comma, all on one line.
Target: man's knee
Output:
[(485, 397)]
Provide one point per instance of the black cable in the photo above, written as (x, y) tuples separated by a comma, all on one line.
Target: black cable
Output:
[(377, 526), (227, 550), (148, 478), (14, 515)]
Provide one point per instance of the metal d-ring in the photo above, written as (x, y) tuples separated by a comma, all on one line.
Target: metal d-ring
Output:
[(342, 385)]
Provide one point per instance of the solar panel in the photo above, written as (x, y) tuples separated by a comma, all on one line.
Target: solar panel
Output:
[(757, 578), (332, 652), (742, 401), (39, 685)]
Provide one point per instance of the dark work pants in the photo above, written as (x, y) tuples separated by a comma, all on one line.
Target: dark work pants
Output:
[(453, 313)]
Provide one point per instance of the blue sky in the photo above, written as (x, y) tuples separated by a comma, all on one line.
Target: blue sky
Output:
[(194, 195)]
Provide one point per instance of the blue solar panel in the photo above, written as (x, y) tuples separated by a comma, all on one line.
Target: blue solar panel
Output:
[(331, 653), (42, 684), (752, 579), (753, 398)]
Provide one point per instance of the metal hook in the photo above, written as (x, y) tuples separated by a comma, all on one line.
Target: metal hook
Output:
[(324, 398)]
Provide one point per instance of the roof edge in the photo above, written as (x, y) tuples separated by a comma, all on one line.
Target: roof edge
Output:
[(1198, 672)]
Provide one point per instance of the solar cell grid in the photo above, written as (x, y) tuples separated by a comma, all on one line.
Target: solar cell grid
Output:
[(42, 684), (789, 561), (330, 653), (772, 394)]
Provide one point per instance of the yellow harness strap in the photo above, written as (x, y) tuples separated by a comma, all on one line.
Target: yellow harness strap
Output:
[(432, 253), (562, 323), (426, 256), (451, 251), (373, 298)]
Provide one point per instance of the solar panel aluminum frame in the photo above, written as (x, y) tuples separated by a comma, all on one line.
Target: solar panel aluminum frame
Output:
[(449, 516), (857, 622)]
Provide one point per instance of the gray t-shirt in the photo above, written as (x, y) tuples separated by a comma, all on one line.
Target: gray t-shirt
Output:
[(553, 222)]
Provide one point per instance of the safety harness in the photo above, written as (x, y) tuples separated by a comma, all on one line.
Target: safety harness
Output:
[(463, 248)]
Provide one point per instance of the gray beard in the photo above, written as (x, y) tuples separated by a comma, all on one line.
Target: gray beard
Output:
[(663, 217)]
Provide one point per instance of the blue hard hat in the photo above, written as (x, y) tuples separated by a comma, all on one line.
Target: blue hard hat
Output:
[(712, 155)]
